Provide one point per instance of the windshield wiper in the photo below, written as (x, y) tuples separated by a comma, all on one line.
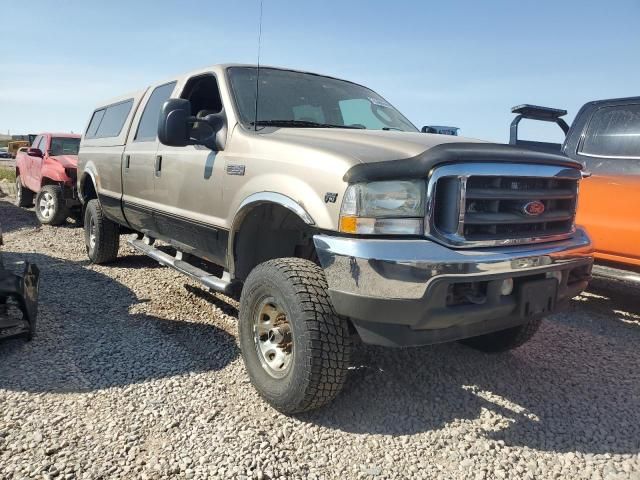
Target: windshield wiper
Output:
[(298, 124)]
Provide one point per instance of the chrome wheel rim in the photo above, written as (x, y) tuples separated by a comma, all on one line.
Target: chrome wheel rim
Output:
[(92, 233), (46, 205), (273, 338)]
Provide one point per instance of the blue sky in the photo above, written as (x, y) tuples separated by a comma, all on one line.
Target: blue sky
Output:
[(458, 62)]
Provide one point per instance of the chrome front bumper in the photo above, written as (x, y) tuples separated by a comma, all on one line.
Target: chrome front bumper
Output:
[(405, 282)]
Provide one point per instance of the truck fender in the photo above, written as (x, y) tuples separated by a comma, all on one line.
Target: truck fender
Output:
[(254, 200), (87, 175), (53, 172)]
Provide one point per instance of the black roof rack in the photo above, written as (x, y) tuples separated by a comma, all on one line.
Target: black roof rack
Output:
[(536, 112)]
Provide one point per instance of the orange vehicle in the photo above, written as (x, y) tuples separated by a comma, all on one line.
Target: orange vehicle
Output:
[(605, 136)]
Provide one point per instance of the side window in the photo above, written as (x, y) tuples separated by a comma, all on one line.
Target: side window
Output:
[(613, 132), (96, 118), (202, 91), (204, 96), (113, 118), (43, 144), (36, 142), (148, 126)]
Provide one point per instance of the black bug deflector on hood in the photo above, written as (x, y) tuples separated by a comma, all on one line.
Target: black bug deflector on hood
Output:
[(420, 165)]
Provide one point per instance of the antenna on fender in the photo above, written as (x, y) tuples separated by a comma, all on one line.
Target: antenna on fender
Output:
[(255, 123)]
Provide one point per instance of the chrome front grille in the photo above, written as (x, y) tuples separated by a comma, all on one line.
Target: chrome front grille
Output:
[(488, 204)]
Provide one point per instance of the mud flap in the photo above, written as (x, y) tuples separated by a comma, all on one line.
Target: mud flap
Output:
[(19, 302)]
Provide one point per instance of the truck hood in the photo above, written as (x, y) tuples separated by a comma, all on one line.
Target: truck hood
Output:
[(67, 161), (365, 146)]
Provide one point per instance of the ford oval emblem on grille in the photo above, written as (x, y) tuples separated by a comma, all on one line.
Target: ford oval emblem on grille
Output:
[(533, 208)]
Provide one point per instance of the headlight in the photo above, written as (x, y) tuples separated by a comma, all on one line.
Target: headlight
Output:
[(384, 208)]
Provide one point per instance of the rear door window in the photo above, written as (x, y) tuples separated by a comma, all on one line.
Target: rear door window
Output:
[(112, 120), (148, 126), (612, 141), (95, 123)]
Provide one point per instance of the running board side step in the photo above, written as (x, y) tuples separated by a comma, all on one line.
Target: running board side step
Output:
[(222, 285)]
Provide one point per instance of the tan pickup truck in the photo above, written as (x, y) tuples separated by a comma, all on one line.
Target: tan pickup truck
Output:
[(333, 216)]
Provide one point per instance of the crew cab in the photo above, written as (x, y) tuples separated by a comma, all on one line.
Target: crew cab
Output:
[(333, 216), (48, 172), (605, 137)]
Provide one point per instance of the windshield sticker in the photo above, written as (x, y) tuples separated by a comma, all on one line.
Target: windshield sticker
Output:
[(379, 102)]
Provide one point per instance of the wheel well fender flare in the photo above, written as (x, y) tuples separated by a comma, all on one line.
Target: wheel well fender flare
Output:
[(253, 201), (86, 176)]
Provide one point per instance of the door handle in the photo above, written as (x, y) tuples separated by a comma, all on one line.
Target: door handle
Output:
[(158, 165), (127, 161)]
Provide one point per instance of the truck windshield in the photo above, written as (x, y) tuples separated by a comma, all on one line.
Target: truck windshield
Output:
[(304, 100), (64, 146)]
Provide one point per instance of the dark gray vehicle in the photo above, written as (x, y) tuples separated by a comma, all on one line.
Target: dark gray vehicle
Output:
[(18, 300)]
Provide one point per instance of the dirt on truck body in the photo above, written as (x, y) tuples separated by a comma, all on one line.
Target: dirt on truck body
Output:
[(334, 216)]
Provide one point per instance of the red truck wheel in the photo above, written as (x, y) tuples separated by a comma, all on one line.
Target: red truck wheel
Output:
[(24, 196), (50, 206)]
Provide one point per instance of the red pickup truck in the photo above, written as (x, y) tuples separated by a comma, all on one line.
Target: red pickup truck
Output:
[(48, 172)]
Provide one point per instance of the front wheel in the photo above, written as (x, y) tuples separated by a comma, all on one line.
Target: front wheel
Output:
[(295, 348), (50, 206), (101, 235), (504, 340)]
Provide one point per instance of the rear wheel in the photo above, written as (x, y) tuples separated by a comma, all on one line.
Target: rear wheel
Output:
[(24, 196), (295, 348), (50, 206), (504, 340), (101, 235)]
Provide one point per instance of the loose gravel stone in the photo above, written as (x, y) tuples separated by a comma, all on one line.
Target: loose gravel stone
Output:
[(134, 373)]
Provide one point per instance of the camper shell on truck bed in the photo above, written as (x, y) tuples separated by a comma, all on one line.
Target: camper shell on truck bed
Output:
[(333, 216)]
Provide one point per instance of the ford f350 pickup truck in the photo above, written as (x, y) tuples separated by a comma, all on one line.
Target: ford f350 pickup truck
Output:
[(334, 216)]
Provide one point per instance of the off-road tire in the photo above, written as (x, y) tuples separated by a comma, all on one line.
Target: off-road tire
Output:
[(24, 196), (106, 234), (59, 212), (504, 340), (321, 341)]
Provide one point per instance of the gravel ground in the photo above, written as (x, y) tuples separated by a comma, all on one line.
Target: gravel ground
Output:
[(135, 373)]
